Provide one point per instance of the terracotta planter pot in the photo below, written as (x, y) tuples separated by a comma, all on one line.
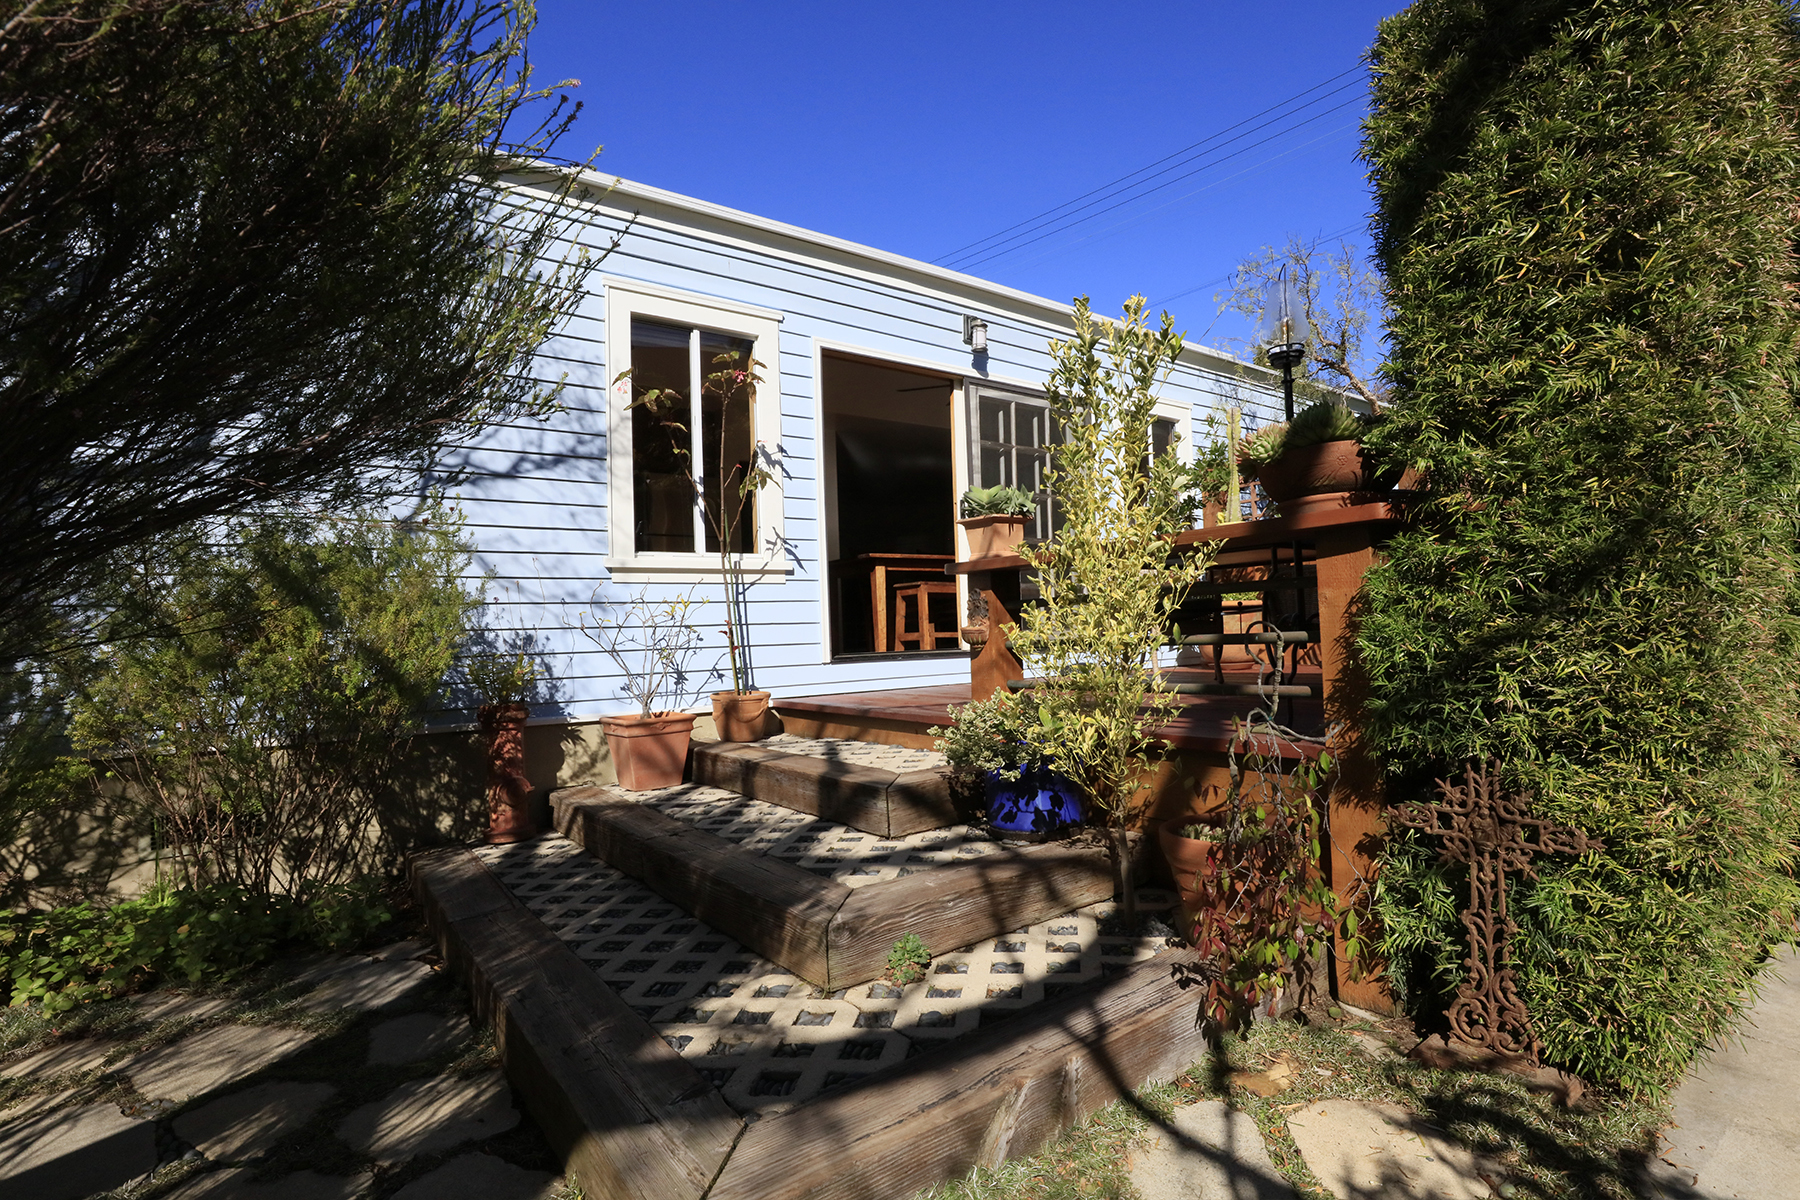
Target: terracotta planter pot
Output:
[(508, 790), (1315, 470), (993, 536), (1186, 857), (741, 716), (649, 752)]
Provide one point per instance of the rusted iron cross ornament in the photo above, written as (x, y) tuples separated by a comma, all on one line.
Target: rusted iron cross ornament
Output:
[(1494, 834)]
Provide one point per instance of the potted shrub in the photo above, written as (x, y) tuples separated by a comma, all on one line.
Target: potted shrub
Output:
[(994, 519), (1317, 454), (652, 643), (1020, 796)]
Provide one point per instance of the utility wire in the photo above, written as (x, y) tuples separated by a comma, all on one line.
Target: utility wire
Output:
[(1131, 178), (1155, 304), (1140, 218), (1062, 225)]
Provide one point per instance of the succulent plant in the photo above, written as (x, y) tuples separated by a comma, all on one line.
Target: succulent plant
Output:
[(1326, 421)]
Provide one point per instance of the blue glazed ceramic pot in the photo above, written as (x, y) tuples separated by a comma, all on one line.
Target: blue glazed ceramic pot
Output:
[(1039, 802)]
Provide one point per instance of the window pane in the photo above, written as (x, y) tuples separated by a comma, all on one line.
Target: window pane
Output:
[(1162, 433), (729, 449), (993, 468), (661, 478), (993, 420), (1028, 419)]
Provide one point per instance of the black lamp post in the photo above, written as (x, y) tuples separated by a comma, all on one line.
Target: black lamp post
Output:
[(1284, 330)]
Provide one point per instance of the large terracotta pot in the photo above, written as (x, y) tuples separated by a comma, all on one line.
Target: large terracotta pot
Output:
[(1186, 857), (994, 536), (649, 752), (508, 790), (741, 716), (1315, 470)]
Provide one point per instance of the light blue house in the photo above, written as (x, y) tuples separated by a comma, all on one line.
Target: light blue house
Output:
[(877, 409)]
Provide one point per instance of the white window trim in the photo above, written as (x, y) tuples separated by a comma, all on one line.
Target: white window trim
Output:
[(625, 300)]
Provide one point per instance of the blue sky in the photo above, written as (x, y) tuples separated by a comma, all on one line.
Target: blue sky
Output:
[(923, 127)]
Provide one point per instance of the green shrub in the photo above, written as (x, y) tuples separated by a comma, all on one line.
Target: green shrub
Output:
[(1587, 219), (67, 956), (262, 715)]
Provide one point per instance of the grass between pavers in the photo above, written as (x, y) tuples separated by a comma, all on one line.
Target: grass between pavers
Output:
[(338, 1056), (1538, 1148)]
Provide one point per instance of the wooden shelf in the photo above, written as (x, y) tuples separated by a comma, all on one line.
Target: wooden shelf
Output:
[(1240, 535)]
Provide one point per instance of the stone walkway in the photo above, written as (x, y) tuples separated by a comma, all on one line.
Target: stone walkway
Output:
[(355, 1077)]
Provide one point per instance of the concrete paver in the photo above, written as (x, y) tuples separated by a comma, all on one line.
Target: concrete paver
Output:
[(63, 1058), (479, 1177), (238, 1183), (1736, 1131), (211, 1059), (174, 1006), (248, 1123), (430, 1114), (1361, 1150), (415, 1036), (74, 1152), (368, 984), (1208, 1152)]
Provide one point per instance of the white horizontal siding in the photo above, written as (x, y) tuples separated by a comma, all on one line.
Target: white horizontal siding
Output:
[(535, 492)]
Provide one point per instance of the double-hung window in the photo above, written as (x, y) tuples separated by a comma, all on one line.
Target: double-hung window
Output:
[(687, 428)]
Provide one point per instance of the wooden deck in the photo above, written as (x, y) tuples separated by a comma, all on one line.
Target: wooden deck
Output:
[(898, 717), (901, 717)]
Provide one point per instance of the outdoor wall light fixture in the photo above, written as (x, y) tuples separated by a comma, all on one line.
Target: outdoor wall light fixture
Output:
[(975, 334), (1284, 330)]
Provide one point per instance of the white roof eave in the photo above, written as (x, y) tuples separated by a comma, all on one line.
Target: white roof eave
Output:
[(952, 285)]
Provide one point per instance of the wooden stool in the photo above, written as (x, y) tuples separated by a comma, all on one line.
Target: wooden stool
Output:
[(926, 636)]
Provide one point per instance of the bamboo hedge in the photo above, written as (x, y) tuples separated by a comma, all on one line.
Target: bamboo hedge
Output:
[(1587, 215)]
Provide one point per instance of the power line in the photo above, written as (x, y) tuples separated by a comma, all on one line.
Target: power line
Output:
[(1139, 218), (1154, 304), (1131, 179)]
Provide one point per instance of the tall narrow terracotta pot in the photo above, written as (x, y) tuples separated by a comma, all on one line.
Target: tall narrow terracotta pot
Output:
[(508, 790), (741, 716), (1186, 857), (649, 752)]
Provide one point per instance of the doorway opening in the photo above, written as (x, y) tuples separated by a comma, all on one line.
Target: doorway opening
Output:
[(889, 499)]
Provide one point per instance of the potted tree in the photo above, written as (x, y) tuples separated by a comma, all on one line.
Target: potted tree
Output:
[(1109, 585), (994, 519), (727, 500), (1313, 460), (652, 643)]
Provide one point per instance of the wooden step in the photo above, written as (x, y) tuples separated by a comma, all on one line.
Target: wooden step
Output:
[(822, 930), (882, 802)]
